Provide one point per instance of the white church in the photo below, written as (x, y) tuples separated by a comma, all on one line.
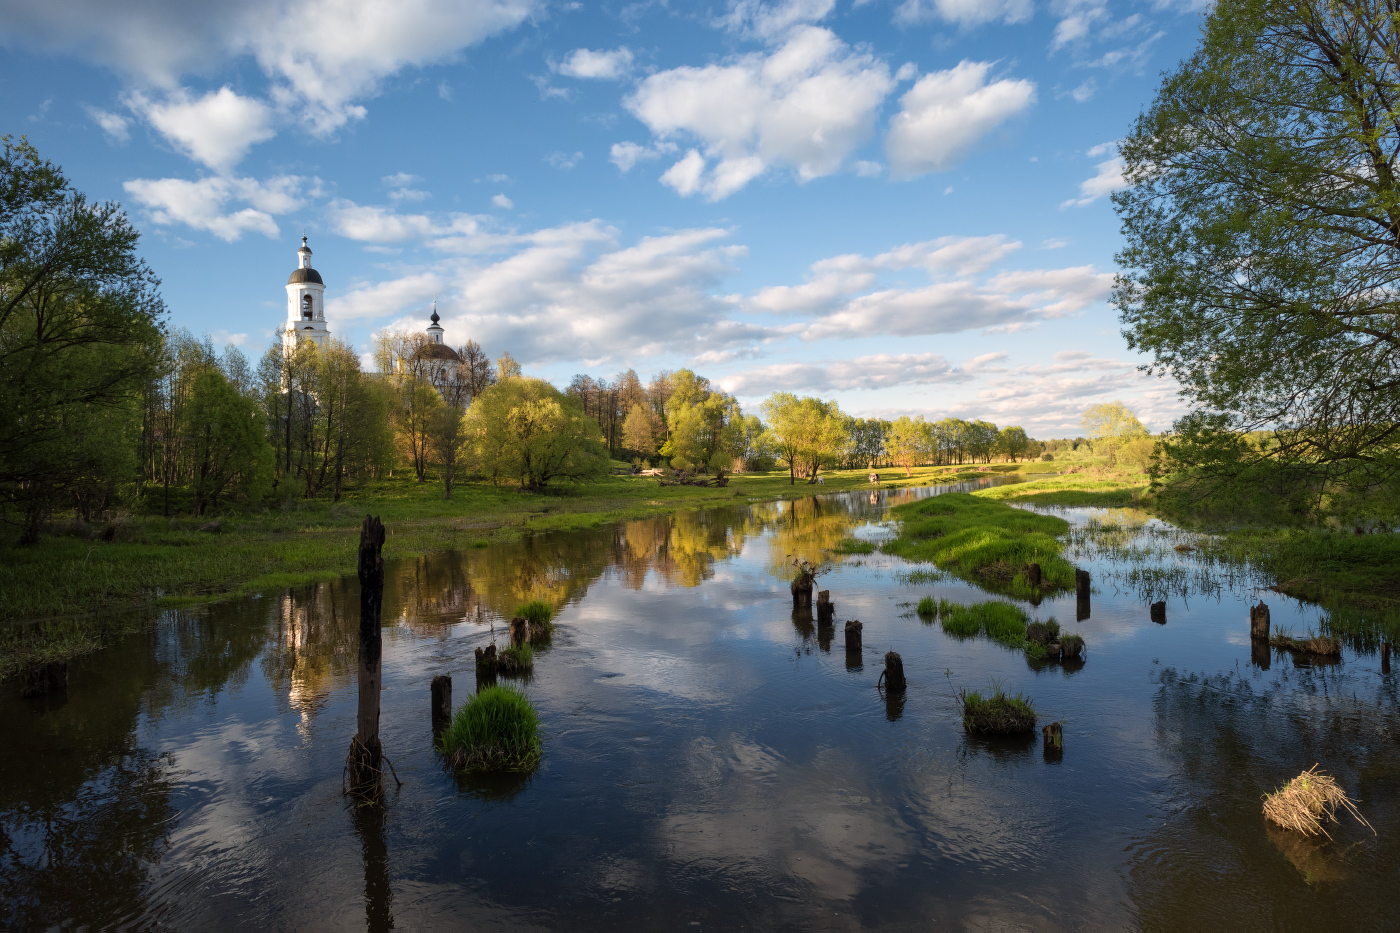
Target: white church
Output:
[(306, 316)]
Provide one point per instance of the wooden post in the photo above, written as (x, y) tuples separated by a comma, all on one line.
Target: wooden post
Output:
[(802, 592), (1054, 741), (1081, 584), (1385, 657), (1159, 612), (826, 609), (893, 674), (853, 628), (1033, 574), (442, 702), (366, 752), (1259, 622)]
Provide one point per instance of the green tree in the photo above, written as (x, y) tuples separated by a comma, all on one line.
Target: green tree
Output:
[(528, 431), (1012, 442), (639, 430), (1113, 422), (907, 442), (79, 339), (228, 447), (1262, 223)]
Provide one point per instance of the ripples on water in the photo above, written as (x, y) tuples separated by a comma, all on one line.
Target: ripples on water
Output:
[(711, 759)]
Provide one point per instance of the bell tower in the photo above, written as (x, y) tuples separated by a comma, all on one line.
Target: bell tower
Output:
[(306, 303)]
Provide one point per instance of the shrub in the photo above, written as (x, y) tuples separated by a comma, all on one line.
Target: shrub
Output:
[(997, 714), (1048, 458), (497, 730)]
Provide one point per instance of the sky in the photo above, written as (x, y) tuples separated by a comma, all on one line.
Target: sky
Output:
[(901, 205)]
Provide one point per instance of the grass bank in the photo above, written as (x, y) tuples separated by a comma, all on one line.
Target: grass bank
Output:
[(985, 542), (1074, 490), (82, 584)]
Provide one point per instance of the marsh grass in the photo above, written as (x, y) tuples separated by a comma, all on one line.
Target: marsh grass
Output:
[(1000, 621), (927, 609), (998, 713), (1304, 802), (984, 542), (515, 660), (1320, 645), (854, 546), (1072, 491), (497, 730), (540, 615)]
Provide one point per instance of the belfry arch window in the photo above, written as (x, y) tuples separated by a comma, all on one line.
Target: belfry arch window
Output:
[(306, 307)]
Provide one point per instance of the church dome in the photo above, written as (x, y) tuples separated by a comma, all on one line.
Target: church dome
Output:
[(439, 351), (307, 274)]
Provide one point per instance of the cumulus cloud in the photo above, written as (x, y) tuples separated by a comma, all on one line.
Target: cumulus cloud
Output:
[(601, 65), (1108, 179), (503, 202), (206, 204), (384, 299), (805, 105), (770, 20), (883, 370), (626, 155), (320, 55), (945, 113), (116, 126), (965, 13), (371, 224), (217, 129)]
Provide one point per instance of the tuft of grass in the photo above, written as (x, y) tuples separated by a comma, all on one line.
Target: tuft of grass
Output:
[(1319, 645), (854, 546), (927, 609), (999, 713), (515, 660), (1043, 633), (1304, 802), (983, 542), (538, 612), (497, 730), (1000, 621), (1073, 644)]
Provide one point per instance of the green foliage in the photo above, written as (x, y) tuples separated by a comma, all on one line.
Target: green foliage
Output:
[(999, 621), (1076, 491), (805, 433), (854, 546), (987, 543), (999, 713), (527, 431), (228, 447), (1260, 266), (537, 611), (517, 658), (497, 730), (927, 609)]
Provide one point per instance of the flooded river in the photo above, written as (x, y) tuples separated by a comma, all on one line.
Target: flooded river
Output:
[(711, 761)]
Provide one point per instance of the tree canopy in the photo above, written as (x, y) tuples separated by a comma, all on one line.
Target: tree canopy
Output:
[(1262, 222)]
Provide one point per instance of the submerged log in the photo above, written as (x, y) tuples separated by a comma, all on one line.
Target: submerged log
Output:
[(1033, 574), (893, 674), (40, 679), (363, 764), (1259, 622), (442, 702), (1159, 612)]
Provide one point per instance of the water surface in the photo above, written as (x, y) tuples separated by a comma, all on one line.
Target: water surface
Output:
[(712, 760)]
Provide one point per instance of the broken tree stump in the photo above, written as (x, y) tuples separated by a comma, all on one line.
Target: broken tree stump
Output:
[(1033, 574), (442, 702), (802, 591), (1259, 622), (1081, 584), (893, 674), (519, 631), (1159, 612), (826, 609), (853, 627), (1053, 734), (363, 764)]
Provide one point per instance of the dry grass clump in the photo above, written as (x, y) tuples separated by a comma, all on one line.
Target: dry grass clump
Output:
[(1304, 802), (1319, 645)]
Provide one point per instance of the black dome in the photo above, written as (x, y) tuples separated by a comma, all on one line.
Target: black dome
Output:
[(299, 276)]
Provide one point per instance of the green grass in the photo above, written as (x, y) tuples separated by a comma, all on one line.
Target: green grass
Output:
[(927, 609), (998, 713), (1071, 491), (497, 730), (985, 542), (516, 659), (854, 546)]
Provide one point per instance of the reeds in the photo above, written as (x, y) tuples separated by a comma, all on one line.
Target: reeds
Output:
[(854, 546), (999, 713), (497, 730), (1319, 645), (1304, 802), (516, 659)]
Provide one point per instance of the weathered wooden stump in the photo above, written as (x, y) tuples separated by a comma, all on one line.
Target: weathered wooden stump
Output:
[(1053, 734), (802, 592), (486, 659), (1259, 622), (442, 702), (1033, 574), (893, 674), (1081, 584), (40, 679), (826, 609), (1385, 657), (853, 628), (519, 631), (363, 763), (1159, 612)]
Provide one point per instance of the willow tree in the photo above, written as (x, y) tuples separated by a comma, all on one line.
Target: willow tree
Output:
[(1262, 220)]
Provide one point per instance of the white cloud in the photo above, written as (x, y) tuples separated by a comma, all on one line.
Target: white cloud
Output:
[(116, 126), (806, 105), (945, 113), (384, 299), (884, 370), (1056, 292), (1084, 91), (772, 20), (600, 65), (205, 204), (320, 55), (1107, 180), (965, 13), (563, 160), (400, 180), (401, 183), (371, 224), (217, 129), (626, 155), (503, 202)]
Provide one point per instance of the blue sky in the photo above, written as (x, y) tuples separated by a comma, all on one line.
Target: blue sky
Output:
[(900, 205)]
